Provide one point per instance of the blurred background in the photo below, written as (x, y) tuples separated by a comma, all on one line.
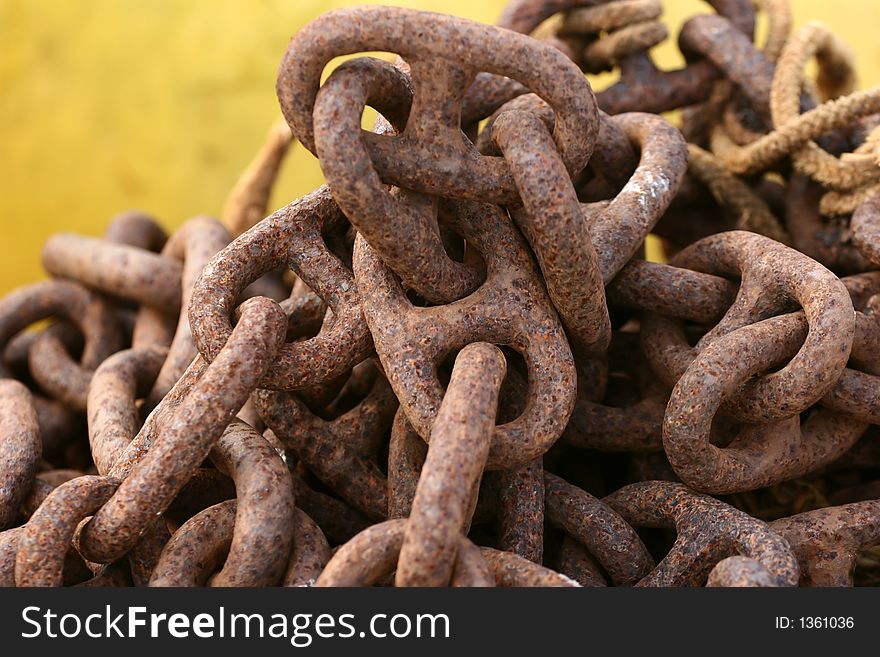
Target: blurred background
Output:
[(107, 105)]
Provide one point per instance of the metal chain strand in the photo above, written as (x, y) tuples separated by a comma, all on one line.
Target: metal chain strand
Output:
[(196, 425), (447, 490), (374, 552), (20, 448), (773, 276), (310, 554), (117, 269), (631, 28), (423, 38), (707, 531), (550, 219), (410, 355), (341, 452), (827, 541), (263, 533), (46, 537), (291, 237), (113, 414), (197, 549), (614, 544), (525, 335), (194, 244)]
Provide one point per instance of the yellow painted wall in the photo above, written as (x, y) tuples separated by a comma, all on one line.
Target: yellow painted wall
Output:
[(157, 104)]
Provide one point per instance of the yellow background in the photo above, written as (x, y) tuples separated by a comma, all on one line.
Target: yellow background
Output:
[(157, 105)]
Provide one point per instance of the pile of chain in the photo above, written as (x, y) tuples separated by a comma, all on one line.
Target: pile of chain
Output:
[(452, 364)]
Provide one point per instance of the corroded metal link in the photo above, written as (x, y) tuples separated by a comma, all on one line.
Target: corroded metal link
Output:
[(431, 43), (816, 236), (17, 351), (64, 299), (143, 557), (576, 562), (116, 574), (613, 160), (198, 548), (20, 448), (743, 350), (46, 537), (193, 244), (39, 491), (637, 427), (828, 541), (401, 226), (632, 29), (182, 444), (598, 527), (136, 229), (787, 449), (55, 372), (153, 328), (339, 521), (607, 16), (853, 394), (264, 516), (773, 276), (511, 570), (619, 228), (471, 569), (717, 40), (510, 308), (865, 225), (341, 452), (642, 87), (8, 552), (160, 416), (525, 15), (310, 554), (856, 393), (291, 238), (373, 554), (862, 287), (520, 499), (113, 414), (740, 572), (707, 531), (207, 487), (118, 269), (672, 291), (447, 490), (406, 456), (551, 221)]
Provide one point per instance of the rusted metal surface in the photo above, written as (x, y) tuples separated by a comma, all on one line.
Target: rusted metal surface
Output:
[(373, 554), (828, 541), (446, 494), (607, 536), (452, 365), (410, 348), (159, 473), (707, 531), (290, 237), (20, 448), (342, 452)]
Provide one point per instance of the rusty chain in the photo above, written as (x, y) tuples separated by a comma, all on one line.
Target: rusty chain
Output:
[(453, 364)]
